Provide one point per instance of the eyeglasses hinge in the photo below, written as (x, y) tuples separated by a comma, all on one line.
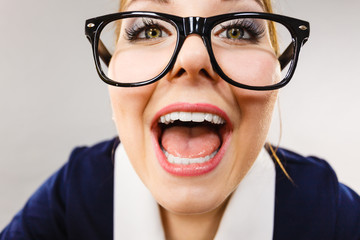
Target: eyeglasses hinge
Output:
[(303, 27), (90, 25)]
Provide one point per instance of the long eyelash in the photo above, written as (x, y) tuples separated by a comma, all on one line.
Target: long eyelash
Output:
[(256, 30), (133, 32)]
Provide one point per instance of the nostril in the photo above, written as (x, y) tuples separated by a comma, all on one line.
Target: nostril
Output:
[(180, 72), (202, 72), (205, 73)]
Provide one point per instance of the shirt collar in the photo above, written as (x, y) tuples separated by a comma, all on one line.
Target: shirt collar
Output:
[(248, 215)]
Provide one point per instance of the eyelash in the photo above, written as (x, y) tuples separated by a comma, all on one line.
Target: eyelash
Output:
[(133, 32), (255, 30)]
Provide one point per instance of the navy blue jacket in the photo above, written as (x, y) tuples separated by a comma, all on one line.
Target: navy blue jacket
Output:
[(77, 201)]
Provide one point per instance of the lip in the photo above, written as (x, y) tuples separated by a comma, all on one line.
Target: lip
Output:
[(194, 169)]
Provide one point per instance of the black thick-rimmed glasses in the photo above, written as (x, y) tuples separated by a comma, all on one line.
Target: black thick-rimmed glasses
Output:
[(138, 48)]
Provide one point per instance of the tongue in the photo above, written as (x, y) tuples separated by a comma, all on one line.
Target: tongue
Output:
[(190, 142)]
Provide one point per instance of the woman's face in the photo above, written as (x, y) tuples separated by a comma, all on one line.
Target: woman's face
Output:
[(208, 158)]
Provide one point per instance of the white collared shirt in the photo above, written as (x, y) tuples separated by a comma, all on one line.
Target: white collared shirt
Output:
[(249, 214)]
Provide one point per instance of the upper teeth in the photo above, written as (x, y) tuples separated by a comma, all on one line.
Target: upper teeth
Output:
[(191, 117)]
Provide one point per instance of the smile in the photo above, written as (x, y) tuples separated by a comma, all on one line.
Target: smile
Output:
[(190, 139)]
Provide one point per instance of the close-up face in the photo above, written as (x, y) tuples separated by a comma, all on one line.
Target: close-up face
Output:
[(191, 136)]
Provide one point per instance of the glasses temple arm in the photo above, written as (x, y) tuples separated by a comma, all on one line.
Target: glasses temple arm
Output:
[(103, 52), (286, 56)]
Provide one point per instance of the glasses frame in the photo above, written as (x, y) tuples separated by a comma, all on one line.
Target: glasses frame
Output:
[(299, 30)]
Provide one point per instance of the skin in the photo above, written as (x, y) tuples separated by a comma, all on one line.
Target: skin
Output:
[(195, 205)]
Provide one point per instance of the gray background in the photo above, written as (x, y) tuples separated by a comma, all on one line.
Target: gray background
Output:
[(52, 100)]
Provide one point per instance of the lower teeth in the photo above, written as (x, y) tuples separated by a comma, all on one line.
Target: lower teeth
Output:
[(187, 161)]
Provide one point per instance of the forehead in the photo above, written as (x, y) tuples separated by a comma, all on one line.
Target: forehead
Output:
[(232, 5)]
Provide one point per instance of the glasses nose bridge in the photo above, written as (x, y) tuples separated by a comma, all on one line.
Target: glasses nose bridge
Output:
[(194, 25)]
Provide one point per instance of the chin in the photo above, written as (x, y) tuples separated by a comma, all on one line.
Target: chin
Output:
[(198, 194), (191, 203)]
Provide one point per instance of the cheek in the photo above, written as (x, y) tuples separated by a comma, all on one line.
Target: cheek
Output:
[(128, 106), (137, 65), (255, 68), (256, 107), (250, 134), (138, 62), (125, 109)]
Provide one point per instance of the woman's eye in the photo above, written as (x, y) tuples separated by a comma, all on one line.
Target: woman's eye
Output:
[(153, 32), (240, 31), (235, 33), (150, 32)]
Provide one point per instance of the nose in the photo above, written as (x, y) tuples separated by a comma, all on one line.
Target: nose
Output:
[(193, 60)]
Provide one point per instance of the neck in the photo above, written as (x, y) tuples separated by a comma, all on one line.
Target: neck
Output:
[(192, 226)]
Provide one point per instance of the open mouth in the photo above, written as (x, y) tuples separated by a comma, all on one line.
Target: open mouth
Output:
[(190, 139)]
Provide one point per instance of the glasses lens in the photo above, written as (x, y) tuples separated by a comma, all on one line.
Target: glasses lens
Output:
[(245, 48), (141, 48)]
